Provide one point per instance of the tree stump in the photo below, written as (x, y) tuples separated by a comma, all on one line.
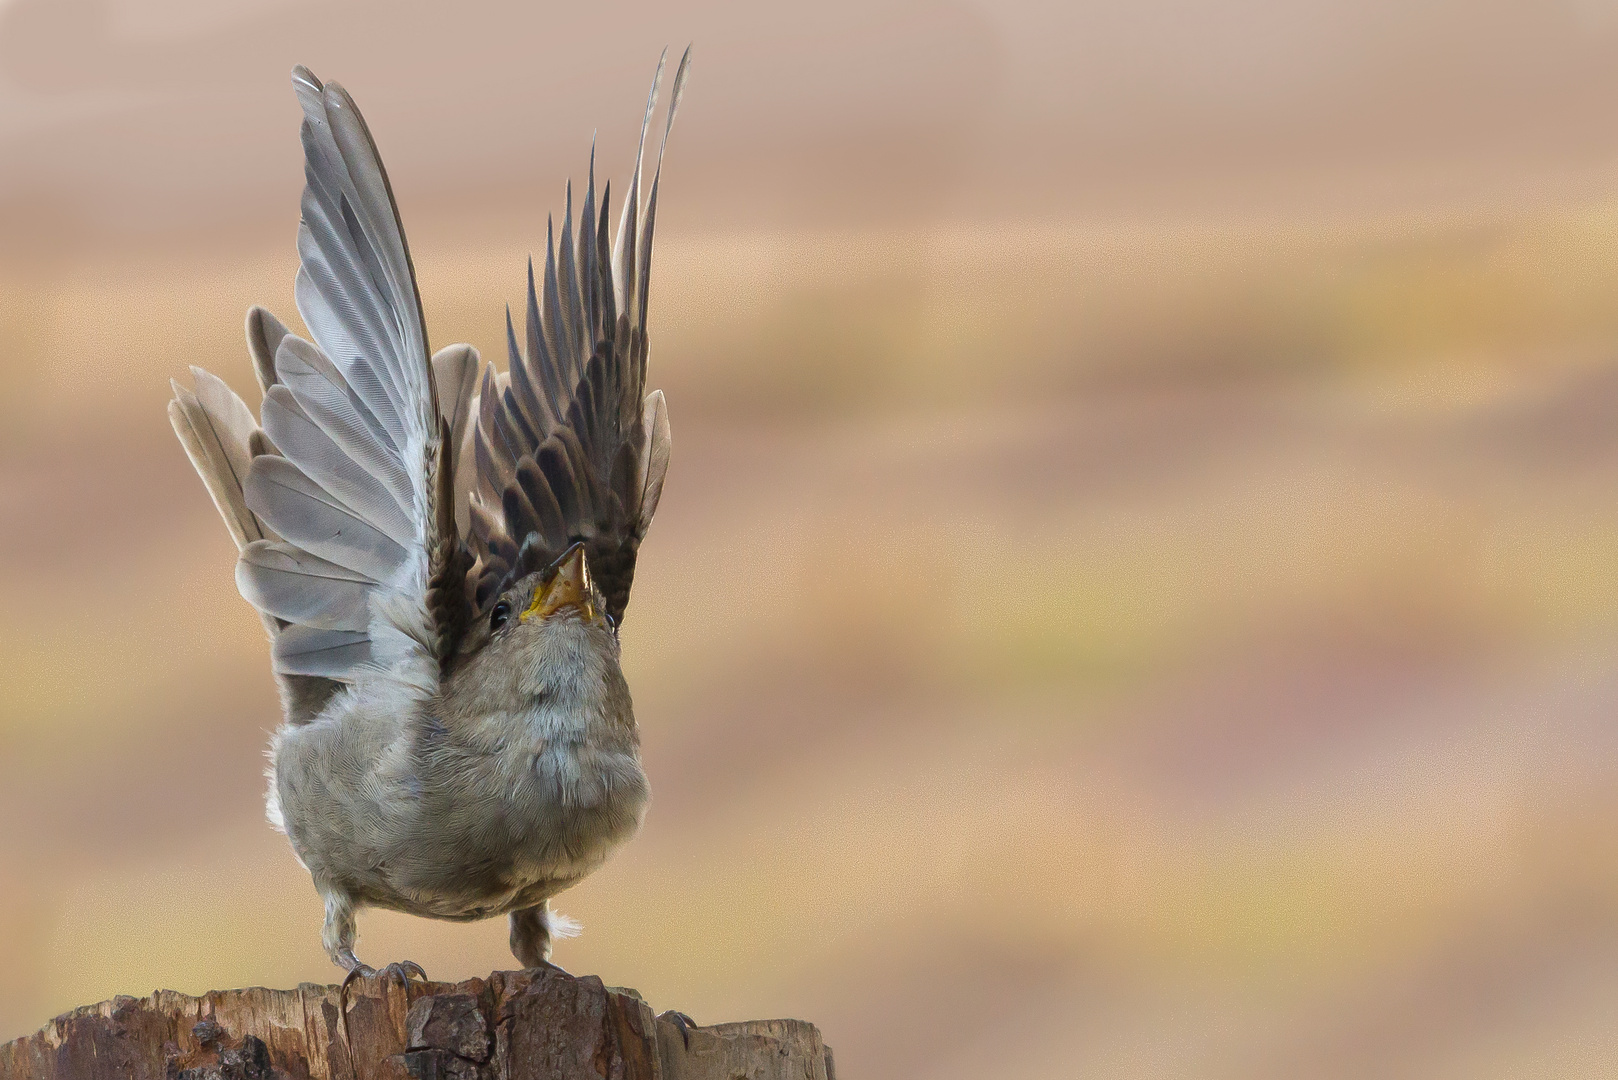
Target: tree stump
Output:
[(540, 1024)]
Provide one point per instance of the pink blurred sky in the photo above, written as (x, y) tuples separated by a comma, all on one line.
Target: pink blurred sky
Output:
[(169, 122)]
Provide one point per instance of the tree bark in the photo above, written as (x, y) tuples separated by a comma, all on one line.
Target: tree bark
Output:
[(540, 1024)]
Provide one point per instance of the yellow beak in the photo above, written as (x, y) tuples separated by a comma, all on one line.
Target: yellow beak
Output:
[(570, 587)]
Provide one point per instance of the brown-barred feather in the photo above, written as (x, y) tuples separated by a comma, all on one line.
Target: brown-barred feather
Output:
[(564, 453)]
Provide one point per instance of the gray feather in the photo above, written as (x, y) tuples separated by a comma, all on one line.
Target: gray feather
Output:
[(264, 334), (232, 420), (579, 334), (307, 650), (304, 513), (360, 287), (326, 398), (455, 370), (466, 474), (216, 441), (319, 458), (294, 585), (624, 262), (655, 462), (259, 444), (645, 253)]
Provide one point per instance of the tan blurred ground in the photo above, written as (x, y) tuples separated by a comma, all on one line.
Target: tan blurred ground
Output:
[(1137, 592)]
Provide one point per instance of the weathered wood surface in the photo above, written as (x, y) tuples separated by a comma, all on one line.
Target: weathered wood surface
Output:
[(541, 1024)]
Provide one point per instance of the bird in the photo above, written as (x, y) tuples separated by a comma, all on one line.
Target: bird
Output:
[(442, 554)]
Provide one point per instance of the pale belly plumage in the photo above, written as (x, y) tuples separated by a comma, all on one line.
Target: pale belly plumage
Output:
[(447, 833)]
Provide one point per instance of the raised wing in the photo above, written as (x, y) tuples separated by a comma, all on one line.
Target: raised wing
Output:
[(356, 560), (569, 447)]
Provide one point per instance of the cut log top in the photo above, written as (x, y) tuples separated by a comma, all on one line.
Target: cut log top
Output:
[(540, 1024)]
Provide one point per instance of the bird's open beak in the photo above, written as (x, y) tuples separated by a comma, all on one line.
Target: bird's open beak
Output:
[(569, 587)]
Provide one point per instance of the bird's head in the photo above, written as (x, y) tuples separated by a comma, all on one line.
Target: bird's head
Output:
[(561, 596), (546, 636)]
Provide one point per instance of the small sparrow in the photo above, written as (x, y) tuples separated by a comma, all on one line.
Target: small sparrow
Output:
[(442, 554)]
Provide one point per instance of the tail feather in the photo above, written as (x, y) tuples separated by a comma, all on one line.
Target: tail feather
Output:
[(221, 439), (216, 428)]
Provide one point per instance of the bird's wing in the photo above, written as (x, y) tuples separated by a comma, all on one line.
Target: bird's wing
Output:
[(570, 448), (357, 558)]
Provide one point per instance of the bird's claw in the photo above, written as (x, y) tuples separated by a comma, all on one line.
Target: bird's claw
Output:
[(405, 969), (402, 968), (681, 1021)]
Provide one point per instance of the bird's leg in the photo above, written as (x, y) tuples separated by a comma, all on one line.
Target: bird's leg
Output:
[(531, 932), (338, 937), (531, 935)]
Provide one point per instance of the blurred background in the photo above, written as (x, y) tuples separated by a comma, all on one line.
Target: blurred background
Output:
[(1137, 589)]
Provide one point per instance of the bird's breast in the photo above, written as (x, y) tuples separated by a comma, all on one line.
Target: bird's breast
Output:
[(575, 795)]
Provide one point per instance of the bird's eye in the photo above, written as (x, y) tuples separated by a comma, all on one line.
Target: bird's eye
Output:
[(498, 617)]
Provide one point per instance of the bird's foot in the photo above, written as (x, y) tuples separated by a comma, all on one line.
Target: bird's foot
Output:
[(681, 1021), (404, 969)]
